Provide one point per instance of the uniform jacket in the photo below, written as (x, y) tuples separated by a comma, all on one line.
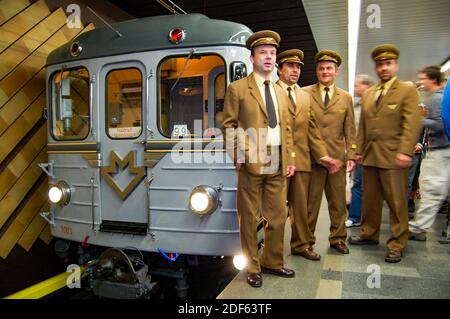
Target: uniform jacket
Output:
[(336, 122), (305, 132), (392, 127), (244, 108)]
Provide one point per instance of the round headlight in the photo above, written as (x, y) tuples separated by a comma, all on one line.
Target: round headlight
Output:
[(203, 200), (59, 193), (55, 194), (199, 201)]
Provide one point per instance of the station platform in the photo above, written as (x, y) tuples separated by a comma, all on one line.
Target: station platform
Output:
[(424, 271)]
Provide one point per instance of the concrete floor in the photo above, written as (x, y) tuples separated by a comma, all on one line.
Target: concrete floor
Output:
[(424, 271)]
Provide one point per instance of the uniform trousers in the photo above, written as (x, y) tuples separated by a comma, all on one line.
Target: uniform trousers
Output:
[(266, 195), (381, 184), (334, 186), (298, 210)]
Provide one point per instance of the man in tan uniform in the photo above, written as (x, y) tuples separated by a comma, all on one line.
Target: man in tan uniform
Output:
[(333, 108), (307, 142), (259, 106), (388, 130)]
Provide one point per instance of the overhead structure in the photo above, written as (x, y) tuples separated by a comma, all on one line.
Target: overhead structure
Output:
[(420, 29), (288, 18)]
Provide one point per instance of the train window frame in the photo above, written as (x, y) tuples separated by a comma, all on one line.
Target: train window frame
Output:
[(52, 109), (107, 127), (215, 99), (159, 108)]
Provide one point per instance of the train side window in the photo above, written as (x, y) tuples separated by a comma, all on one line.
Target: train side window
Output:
[(70, 116), (183, 91), (124, 103)]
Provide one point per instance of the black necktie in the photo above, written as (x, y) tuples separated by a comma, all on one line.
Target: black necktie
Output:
[(270, 107), (291, 98), (377, 102), (327, 97)]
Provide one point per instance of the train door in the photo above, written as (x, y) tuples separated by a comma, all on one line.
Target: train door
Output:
[(123, 193)]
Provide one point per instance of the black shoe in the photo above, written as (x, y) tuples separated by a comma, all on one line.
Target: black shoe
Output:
[(254, 279), (308, 253), (340, 247), (393, 256), (358, 240), (282, 272)]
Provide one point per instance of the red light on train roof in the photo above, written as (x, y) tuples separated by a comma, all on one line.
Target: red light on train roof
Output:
[(177, 35)]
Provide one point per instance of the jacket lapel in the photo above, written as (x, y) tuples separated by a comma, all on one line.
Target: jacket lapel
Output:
[(370, 105), (279, 101), (254, 91), (300, 97), (317, 96), (290, 106), (335, 98)]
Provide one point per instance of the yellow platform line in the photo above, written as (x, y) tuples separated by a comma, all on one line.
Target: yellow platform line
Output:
[(45, 287)]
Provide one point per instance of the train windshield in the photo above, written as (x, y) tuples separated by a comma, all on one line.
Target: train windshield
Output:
[(192, 90), (70, 116)]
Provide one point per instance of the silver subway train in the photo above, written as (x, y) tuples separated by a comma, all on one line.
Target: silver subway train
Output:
[(136, 160)]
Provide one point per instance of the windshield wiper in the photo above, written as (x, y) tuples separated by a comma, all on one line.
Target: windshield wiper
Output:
[(183, 69)]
